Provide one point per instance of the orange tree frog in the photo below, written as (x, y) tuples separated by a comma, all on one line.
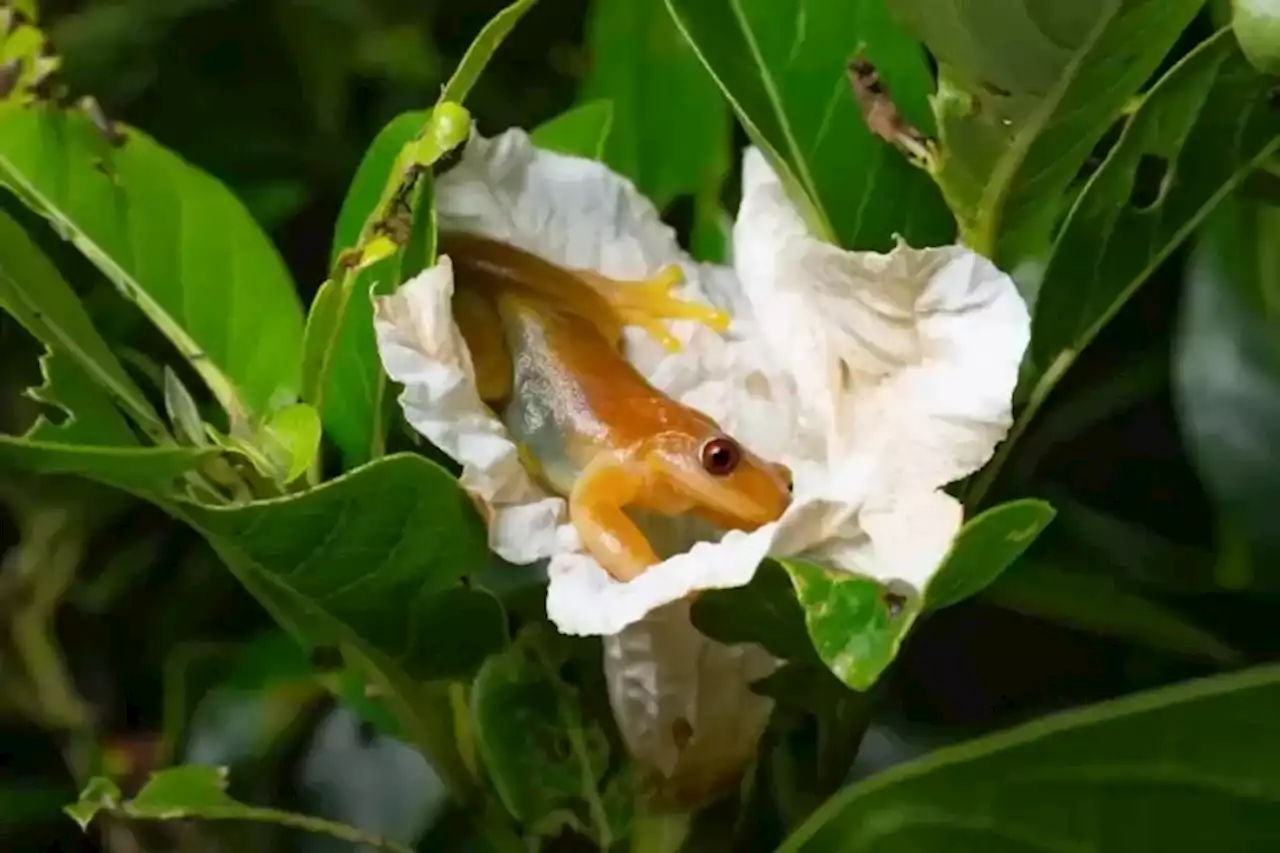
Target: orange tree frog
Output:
[(546, 342)]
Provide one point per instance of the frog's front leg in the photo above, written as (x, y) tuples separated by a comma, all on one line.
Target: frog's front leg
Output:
[(648, 302), (481, 326), (596, 510)]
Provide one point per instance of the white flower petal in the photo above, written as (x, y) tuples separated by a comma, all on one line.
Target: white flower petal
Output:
[(910, 356)]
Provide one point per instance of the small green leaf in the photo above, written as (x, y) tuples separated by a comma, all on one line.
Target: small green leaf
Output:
[(580, 132), (182, 410), (1202, 128), (671, 128), (370, 563), (1226, 374), (150, 472), (1256, 24), (544, 755), (985, 547), (196, 791), (1101, 605), (1027, 90), (35, 294), (99, 794), (781, 64), (765, 611), (855, 623), (481, 51), (1154, 771), (171, 238), (296, 429)]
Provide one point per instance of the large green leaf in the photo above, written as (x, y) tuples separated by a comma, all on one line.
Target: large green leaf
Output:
[(781, 63), (671, 126), (197, 791), (1227, 372), (1182, 768), (145, 471), (579, 132), (34, 293), (1203, 128), (171, 238), (1028, 89), (1048, 588), (371, 563)]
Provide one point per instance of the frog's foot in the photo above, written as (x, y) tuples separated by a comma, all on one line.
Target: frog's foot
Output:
[(649, 302)]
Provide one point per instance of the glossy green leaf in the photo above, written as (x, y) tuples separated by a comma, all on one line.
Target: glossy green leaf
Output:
[(370, 563), (1256, 24), (781, 63), (579, 132), (481, 51), (172, 239), (1029, 88), (144, 471), (1101, 605), (197, 791), (1201, 129), (671, 127), (1227, 373), (33, 292), (544, 756), (765, 611), (855, 624), (986, 546), (1170, 769)]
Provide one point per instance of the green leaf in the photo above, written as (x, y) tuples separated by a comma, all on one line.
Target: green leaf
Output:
[(370, 563), (1100, 605), (1256, 24), (1028, 89), (765, 611), (781, 63), (671, 129), (35, 294), (580, 132), (855, 624), (1227, 371), (1202, 128), (343, 376), (986, 546), (481, 51), (195, 791), (149, 472), (1156, 771), (172, 239), (182, 409), (545, 757), (296, 429)]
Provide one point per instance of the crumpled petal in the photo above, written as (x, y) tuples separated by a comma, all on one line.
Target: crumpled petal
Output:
[(877, 379)]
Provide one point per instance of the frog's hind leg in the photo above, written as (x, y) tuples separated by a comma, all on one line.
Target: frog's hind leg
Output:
[(648, 302), (481, 327)]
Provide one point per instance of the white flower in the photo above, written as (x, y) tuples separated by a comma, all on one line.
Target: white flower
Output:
[(878, 379)]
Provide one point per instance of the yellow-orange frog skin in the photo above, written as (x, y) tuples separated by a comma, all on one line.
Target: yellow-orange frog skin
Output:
[(546, 344)]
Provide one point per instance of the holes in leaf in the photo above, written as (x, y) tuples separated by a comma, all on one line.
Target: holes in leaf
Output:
[(1151, 182)]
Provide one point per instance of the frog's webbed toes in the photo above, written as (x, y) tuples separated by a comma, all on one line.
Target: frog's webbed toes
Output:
[(649, 302)]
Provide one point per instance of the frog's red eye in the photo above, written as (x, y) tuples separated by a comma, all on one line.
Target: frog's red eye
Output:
[(720, 456)]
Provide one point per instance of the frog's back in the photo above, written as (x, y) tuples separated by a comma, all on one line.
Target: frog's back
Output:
[(574, 395)]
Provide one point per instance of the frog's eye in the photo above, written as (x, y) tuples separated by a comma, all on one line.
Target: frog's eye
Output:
[(720, 456)]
